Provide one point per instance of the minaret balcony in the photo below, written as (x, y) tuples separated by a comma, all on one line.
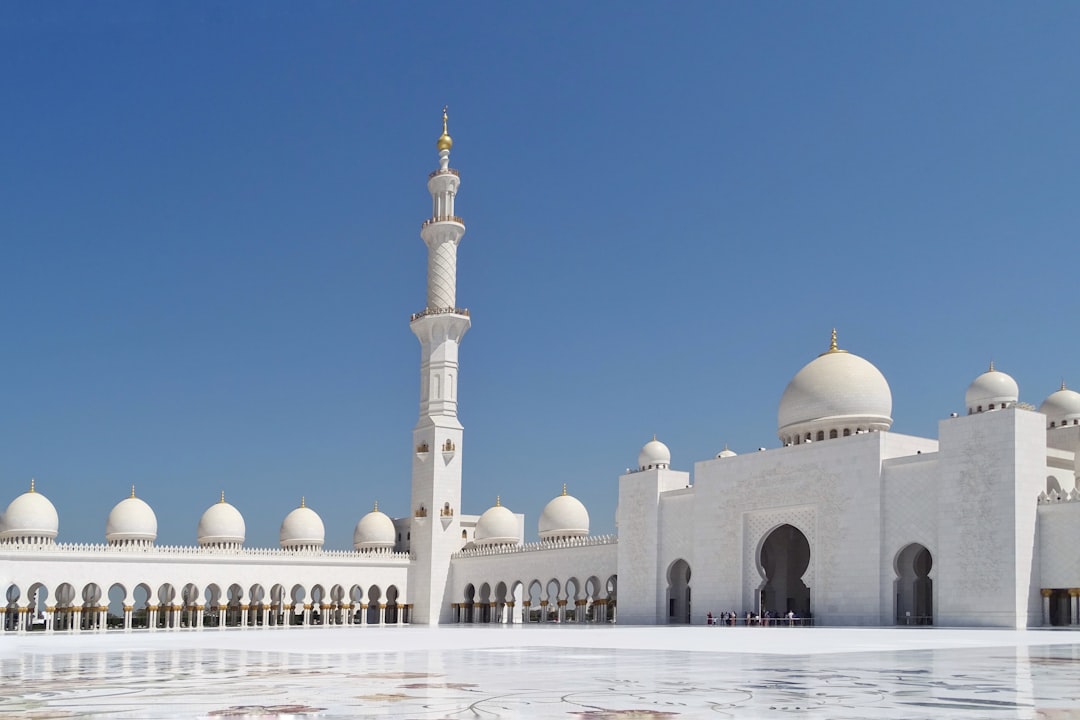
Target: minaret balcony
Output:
[(444, 218), (464, 312), (447, 171)]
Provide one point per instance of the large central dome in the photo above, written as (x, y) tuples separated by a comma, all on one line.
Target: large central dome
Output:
[(835, 394)]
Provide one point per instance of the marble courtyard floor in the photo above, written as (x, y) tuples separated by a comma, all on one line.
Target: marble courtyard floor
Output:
[(617, 673)]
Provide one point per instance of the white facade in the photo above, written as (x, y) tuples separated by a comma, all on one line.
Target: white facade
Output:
[(845, 523)]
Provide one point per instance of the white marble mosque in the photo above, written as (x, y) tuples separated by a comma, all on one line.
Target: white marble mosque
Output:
[(841, 522)]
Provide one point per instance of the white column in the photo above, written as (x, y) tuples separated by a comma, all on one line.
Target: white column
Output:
[(1074, 601), (1046, 607), (382, 613), (363, 613)]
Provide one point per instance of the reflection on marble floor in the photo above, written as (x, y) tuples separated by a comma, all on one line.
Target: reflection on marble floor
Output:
[(597, 684)]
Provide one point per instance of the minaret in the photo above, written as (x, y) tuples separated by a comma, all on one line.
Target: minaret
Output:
[(436, 474)]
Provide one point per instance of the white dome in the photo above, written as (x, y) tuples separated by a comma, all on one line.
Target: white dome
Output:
[(1062, 407), (991, 388), (497, 526), (654, 454), (726, 453), (835, 391), (132, 520), (31, 516), (565, 516), (221, 524), (302, 528), (375, 531)]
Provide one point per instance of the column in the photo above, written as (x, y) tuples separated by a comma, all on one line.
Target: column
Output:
[(151, 617), (508, 614), (562, 611), (382, 613), (76, 622), (1046, 593), (363, 613), (525, 605), (127, 617), (197, 621), (579, 610), (21, 623), (307, 613), (400, 615), (50, 619), (1074, 603)]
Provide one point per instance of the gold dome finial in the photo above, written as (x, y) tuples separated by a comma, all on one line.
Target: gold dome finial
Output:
[(564, 489), (222, 497), (132, 491), (445, 142), (498, 501), (833, 347), (32, 485), (376, 508), (302, 501), (991, 366)]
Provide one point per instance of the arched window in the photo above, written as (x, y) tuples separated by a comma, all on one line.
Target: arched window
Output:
[(832, 435), (820, 435), (847, 432)]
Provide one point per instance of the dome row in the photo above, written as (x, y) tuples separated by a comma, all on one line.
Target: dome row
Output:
[(32, 518), (564, 517)]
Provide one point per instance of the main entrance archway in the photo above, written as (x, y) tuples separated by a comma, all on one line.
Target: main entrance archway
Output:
[(678, 593), (914, 588), (785, 556)]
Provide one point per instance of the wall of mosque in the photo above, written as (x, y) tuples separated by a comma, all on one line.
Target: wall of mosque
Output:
[(992, 469), (1059, 541)]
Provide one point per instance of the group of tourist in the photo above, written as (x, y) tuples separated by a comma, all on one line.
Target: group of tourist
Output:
[(765, 619)]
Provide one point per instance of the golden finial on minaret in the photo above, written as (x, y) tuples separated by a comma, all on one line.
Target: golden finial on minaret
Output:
[(222, 497), (498, 501), (564, 489), (32, 485), (376, 508), (132, 491), (302, 501), (445, 143)]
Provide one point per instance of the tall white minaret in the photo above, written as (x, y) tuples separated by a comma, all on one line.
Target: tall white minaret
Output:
[(436, 474)]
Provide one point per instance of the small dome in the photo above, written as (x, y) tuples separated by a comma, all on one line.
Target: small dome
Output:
[(497, 526), (654, 454), (836, 390), (1062, 407), (726, 453), (991, 388), (131, 521), (221, 524), (30, 516), (302, 528), (565, 516), (375, 531)]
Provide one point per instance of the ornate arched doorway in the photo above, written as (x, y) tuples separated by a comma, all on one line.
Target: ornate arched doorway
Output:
[(914, 588), (785, 556), (678, 593)]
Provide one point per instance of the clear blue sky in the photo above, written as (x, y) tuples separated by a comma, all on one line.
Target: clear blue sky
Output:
[(209, 220)]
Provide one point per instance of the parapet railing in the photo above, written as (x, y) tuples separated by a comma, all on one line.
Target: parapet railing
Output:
[(439, 311), (588, 541), (386, 556), (447, 171), (443, 218), (1054, 496)]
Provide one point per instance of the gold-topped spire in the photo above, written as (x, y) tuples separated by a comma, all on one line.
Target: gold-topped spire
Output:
[(302, 501), (564, 489), (376, 508), (991, 366), (32, 485), (445, 142), (132, 491), (222, 497), (833, 347), (1062, 387), (498, 501)]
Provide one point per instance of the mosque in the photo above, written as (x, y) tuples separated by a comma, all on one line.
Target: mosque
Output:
[(842, 522)]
